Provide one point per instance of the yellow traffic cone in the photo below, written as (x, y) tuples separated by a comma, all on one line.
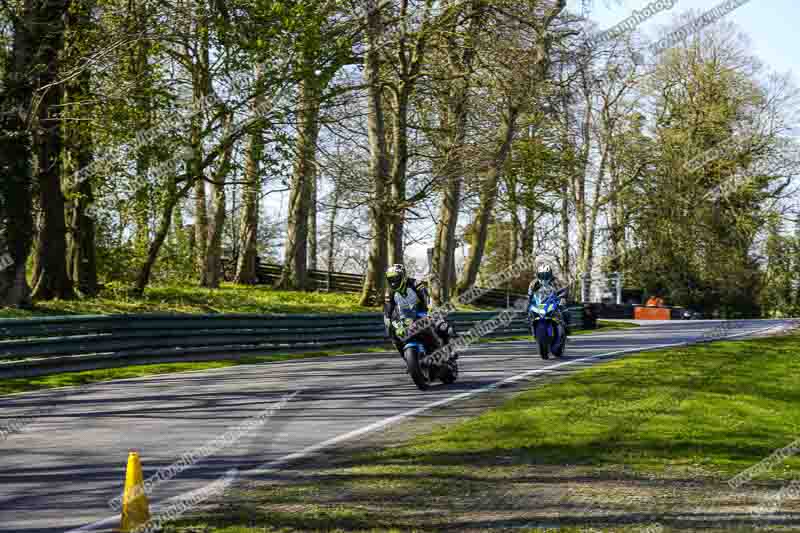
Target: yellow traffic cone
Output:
[(135, 508)]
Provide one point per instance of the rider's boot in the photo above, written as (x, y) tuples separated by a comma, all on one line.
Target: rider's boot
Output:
[(399, 347)]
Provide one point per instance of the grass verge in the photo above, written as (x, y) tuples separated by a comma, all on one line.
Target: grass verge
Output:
[(644, 441), (229, 298)]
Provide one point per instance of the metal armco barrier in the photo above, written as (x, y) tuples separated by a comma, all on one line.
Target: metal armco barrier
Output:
[(38, 346), (321, 280)]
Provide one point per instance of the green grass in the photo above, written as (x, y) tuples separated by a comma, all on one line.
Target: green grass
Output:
[(721, 406), (702, 413), (229, 298), (186, 298)]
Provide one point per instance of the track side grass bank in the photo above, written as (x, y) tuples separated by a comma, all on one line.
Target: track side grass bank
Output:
[(187, 298), (229, 298), (647, 441)]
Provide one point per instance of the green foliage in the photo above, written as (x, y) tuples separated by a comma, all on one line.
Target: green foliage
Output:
[(780, 296), (696, 224)]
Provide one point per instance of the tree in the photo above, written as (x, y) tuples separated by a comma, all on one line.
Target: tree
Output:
[(387, 131), (50, 277), (458, 48), (246, 265), (321, 50), (518, 83)]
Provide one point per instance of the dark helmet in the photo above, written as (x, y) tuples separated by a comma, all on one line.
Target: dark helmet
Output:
[(545, 274), (396, 276)]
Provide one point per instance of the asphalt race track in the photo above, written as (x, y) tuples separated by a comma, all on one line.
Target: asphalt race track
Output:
[(60, 472)]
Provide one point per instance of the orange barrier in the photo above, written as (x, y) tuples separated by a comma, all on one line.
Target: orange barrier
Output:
[(651, 313), (655, 301)]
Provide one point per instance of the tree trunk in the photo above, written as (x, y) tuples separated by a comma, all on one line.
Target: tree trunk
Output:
[(295, 265), (398, 174), (173, 197), (82, 260), (565, 259), (246, 273), (200, 200), (587, 251), (81, 253), (332, 234), (515, 236), (579, 188), (16, 219), (488, 197), (312, 224), (617, 220), (372, 293), (455, 113), (201, 219), (395, 232), (214, 253), (201, 89), (445, 241), (528, 227), (213, 265), (53, 280)]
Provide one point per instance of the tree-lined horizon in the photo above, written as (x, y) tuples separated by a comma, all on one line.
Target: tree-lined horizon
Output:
[(140, 143)]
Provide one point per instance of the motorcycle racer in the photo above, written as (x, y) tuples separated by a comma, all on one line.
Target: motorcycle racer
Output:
[(406, 293), (545, 278)]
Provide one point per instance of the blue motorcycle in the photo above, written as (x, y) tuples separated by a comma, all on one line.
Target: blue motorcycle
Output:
[(546, 322), (418, 352)]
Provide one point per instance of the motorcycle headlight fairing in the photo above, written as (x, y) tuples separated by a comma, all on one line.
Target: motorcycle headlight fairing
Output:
[(539, 309)]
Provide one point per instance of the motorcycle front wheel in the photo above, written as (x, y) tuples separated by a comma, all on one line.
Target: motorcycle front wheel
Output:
[(414, 368), (558, 350), (448, 373), (543, 339)]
